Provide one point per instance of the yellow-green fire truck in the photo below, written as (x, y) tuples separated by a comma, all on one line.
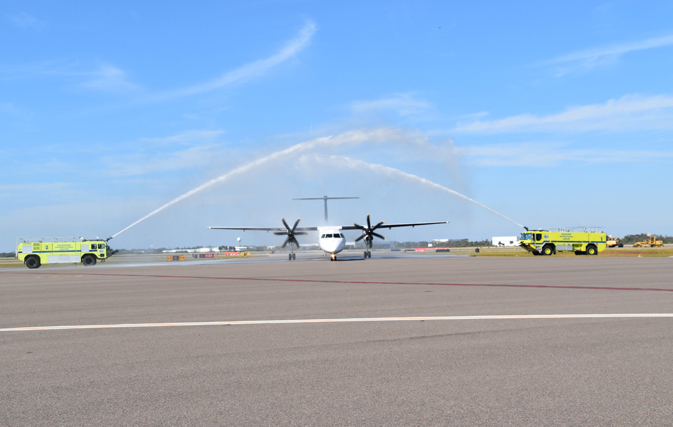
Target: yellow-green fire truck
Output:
[(545, 242), (62, 251)]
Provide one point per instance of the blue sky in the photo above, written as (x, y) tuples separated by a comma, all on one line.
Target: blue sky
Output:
[(553, 115)]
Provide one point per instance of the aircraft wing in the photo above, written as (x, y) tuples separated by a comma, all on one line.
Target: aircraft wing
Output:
[(274, 229), (389, 226)]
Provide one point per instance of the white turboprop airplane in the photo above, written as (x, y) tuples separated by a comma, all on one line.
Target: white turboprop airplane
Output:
[(330, 239)]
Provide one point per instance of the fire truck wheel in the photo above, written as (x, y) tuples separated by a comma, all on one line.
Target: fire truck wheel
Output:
[(89, 260), (33, 262), (548, 250), (591, 250)]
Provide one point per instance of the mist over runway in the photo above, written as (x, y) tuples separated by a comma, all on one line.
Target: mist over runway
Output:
[(596, 363)]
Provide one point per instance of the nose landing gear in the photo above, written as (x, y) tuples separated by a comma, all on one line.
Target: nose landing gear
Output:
[(333, 257), (368, 254)]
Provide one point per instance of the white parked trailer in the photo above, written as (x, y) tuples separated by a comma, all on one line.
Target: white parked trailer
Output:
[(505, 241)]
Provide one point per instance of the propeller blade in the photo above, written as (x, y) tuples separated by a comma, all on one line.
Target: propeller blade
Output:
[(358, 226), (280, 233), (378, 225), (369, 224), (360, 238), (295, 224), (379, 236), (286, 242), (285, 224)]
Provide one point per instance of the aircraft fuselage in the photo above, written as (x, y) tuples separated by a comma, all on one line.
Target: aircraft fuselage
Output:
[(331, 240)]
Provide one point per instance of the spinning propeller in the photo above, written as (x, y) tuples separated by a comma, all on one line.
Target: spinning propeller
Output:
[(368, 232), (290, 233)]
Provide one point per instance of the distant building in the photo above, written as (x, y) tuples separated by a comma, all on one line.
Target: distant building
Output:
[(505, 241)]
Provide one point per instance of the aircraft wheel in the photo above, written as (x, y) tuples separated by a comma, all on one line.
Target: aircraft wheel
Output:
[(289, 257)]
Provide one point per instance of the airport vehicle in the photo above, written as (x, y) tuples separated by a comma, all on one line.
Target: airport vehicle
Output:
[(652, 242), (614, 243), (330, 238), (545, 242), (35, 252)]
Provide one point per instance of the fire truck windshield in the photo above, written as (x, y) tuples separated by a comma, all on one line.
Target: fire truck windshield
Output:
[(527, 236)]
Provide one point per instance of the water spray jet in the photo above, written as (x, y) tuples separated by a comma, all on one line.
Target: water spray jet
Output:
[(351, 137), (359, 164)]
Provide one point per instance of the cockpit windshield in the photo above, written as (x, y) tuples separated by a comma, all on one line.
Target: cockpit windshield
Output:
[(332, 236)]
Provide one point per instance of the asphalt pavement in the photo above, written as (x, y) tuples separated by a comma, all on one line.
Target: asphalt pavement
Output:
[(163, 346)]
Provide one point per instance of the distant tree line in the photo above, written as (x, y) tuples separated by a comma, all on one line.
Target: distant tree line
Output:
[(161, 250), (462, 243), (630, 239), (451, 243), (7, 254), (140, 251)]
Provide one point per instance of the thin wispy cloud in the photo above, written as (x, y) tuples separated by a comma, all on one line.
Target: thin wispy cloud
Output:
[(629, 113), (542, 154), (138, 164), (185, 150), (42, 68), (101, 77), (113, 79), (108, 78), (9, 108), (25, 21), (51, 186), (248, 71), (402, 104), (186, 137), (587, 60)]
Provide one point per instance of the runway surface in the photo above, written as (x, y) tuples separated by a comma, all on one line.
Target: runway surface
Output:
[(392, 341)]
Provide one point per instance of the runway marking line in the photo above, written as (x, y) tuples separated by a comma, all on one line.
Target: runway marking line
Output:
[(356, 282), (345, 320)]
